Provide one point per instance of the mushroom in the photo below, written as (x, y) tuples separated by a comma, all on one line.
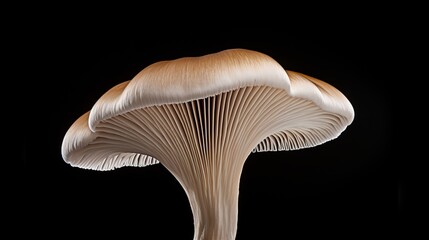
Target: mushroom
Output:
[(201, 117)]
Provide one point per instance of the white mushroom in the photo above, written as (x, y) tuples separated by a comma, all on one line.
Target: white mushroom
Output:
[(201, 117)]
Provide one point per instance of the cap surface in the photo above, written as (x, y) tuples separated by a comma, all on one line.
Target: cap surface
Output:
[(131, 122)]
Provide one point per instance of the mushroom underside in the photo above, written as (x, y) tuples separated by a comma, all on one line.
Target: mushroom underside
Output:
[(204, 143), (249, 119)]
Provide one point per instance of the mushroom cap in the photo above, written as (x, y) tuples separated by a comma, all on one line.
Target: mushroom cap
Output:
[(190, 79)]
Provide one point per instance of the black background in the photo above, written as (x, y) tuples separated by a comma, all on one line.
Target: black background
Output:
[(351, 186)]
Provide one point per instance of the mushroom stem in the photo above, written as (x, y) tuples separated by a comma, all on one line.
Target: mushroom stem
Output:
[(215, 208)]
